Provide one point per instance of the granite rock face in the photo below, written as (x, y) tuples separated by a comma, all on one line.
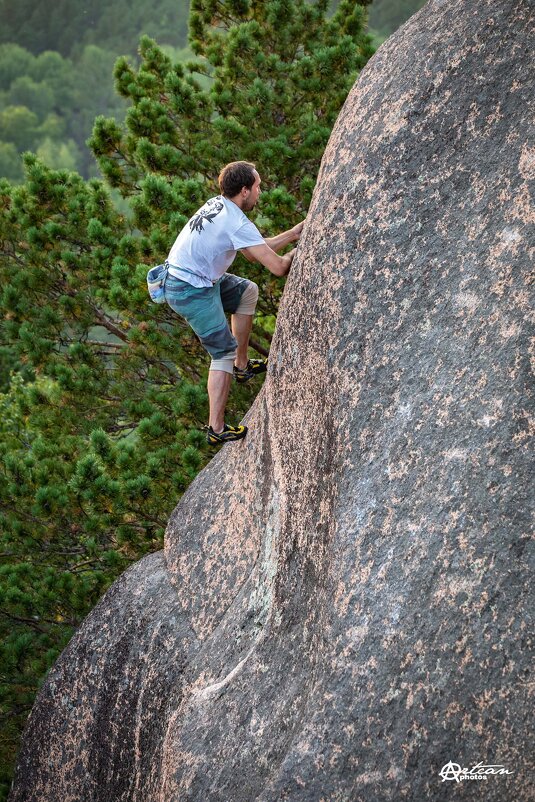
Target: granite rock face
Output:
[(342, 605)]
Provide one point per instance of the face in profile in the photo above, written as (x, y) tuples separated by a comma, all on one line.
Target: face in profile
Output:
[(254, 193)]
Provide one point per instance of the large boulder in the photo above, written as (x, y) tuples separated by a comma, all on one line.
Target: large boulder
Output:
[(340, 611)]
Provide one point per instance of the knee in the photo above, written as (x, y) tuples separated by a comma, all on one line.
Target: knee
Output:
[(248, 300), (224, 363)]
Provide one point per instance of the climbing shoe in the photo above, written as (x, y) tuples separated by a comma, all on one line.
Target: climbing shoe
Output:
[(254, 367), (228, 434)]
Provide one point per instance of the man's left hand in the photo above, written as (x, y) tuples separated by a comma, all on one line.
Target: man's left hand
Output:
[(297, 230)]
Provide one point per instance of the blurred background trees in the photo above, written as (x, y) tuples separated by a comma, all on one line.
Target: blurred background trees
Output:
[(69, 25), (387, 15), (56, 66), (48, 103)]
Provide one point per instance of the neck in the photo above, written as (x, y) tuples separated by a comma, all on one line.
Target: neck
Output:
[(237, 199)]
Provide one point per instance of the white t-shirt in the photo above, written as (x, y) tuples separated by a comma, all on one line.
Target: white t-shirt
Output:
[(207, 245)]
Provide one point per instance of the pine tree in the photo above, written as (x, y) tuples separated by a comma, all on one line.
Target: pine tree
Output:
[(100, 419), (99, 427), (268, 87)]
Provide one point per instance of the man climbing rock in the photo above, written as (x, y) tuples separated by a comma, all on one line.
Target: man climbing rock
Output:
[(200, 290)]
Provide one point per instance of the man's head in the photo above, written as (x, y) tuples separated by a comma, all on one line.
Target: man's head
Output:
[(240, 182)]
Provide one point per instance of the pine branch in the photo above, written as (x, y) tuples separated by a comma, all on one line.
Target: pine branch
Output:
[(108, 324), (258, 348), (30, 621)]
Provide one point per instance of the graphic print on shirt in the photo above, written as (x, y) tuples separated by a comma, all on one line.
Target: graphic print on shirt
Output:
[(207, 212)]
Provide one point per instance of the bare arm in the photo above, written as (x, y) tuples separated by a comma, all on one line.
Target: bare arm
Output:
[(278, 265), (276, 243), (283, 239)]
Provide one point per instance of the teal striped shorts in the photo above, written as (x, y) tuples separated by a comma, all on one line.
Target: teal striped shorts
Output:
[(204, 309)]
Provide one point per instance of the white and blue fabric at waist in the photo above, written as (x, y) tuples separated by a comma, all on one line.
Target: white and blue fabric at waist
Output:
[(189, 276)]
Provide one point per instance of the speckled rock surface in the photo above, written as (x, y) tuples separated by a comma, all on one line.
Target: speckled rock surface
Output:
[(343, 604)]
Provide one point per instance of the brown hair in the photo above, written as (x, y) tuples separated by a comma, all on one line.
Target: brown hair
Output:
[(234, 176)]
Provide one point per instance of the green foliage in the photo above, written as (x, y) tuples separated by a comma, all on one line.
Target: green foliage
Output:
[(96, 437), (61, 69), (18, 125), (103, 393), (39, 97), (66, 90), (278, 73), (10, 164), (15, 61), (48, 105), (59, 155), (67, 25)]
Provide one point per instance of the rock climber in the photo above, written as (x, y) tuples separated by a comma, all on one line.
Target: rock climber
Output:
[(200, 290)]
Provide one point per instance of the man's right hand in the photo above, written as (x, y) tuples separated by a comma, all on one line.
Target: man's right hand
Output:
[(288, 259)]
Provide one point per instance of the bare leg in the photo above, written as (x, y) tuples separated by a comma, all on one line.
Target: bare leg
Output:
[(218, 390), (241, 329)]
